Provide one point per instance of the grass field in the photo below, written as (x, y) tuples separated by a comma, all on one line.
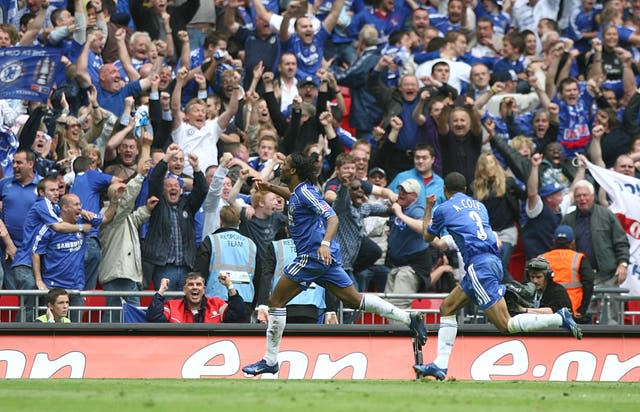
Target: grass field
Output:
[(223, 395)]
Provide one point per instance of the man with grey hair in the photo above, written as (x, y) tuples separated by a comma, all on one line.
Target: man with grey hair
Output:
[(365, 113), (599, 235)]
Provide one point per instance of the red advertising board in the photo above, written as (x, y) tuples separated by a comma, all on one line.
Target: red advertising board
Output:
[(317, 357)]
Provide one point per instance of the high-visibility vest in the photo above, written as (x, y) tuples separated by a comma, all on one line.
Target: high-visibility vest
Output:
[(285, 251), (234, 253), (565, 264)]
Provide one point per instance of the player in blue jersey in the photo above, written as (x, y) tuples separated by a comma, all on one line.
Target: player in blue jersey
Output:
[(313, 225), (467, 221)]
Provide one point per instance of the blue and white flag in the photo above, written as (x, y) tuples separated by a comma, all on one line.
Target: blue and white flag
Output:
[(8, 147), (27, 73)]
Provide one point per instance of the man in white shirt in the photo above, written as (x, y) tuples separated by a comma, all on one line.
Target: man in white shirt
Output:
[(196, 134)]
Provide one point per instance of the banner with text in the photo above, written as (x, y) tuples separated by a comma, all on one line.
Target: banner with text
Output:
[(624, 192), (27, 73), (614, 358)]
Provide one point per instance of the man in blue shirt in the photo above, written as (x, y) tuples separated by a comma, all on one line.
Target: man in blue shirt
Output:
[(87, 185), (17, 194), (313, 225), (407, 253), (306, 45), (58, 258), (467, 221), (424, 157), (43, 214)]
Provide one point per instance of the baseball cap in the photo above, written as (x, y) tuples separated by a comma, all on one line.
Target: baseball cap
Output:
[(550, 189), (375, 170), (310, 79), (563, 234), (410, 186), (504, 76), (537, 264)]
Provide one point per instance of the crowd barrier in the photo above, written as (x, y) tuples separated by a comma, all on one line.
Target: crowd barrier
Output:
[(13, 309)]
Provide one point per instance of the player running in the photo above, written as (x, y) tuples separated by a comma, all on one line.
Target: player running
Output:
[(313, 225), (467, 220)]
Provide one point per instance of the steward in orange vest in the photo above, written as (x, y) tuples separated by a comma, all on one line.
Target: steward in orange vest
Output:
[(571, 269)]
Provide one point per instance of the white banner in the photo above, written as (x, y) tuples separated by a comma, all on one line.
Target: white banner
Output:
[(624, 191)]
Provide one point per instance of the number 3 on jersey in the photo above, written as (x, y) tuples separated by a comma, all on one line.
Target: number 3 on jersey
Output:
[(482, 235)]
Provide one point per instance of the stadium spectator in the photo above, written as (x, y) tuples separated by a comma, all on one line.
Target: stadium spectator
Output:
[(424, 158), (228, 251), (195, 307), (17, 193), (171, 226), (599, 235), (408, 254), (263, 227), (572, 270), (57, 307), (43, 212), (58, 258), (87, 185), (120, 240)]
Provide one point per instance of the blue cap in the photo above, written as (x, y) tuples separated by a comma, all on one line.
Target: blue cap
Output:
[(310, 79), (563, 234), (550, 189)]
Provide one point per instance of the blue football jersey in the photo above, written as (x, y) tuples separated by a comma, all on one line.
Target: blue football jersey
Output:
[(308, 214), (467, 221)]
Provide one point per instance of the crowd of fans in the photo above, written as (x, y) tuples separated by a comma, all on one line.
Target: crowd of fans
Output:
[(142, 166)]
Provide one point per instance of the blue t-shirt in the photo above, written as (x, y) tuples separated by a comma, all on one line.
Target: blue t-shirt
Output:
[(403, 241), (309, 57), (16, 200), (42, 214), (434, 187), (467, 221), (62, 260), (114, 102), (87, 185), (308, 213)]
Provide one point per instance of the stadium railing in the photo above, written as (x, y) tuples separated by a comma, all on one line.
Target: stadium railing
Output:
[(13, 308)]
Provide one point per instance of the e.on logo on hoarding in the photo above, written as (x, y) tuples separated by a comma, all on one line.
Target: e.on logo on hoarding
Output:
[(476, 357), (198, 365), (42, 366), (513, 360)]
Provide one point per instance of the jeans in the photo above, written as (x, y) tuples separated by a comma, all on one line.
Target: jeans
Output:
[(341, 52), (175, 274), (377, 273), (24, 280), (507, 251), (196, 38), (119, 285), (92, 257)]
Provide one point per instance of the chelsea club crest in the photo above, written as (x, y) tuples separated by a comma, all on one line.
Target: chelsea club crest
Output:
[(11, 72)]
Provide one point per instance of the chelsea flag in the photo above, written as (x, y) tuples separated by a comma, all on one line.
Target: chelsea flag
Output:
[(27, 73)]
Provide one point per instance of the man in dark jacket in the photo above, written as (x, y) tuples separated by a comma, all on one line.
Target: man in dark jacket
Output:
[(599, 235), (365, 112), (171, 240)]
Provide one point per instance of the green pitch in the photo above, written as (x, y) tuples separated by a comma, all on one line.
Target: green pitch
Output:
[(221, 395)]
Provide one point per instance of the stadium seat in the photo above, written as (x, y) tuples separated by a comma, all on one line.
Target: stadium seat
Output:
[(428, 304), (632, 319), (9, 315), (90, 315)]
